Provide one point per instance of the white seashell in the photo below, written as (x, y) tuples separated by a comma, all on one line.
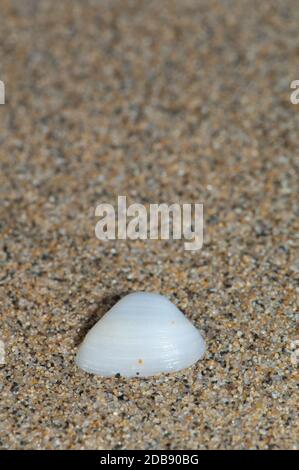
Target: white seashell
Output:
[(142, 335)]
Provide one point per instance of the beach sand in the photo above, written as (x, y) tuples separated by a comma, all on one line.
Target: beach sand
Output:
[(174, 101)]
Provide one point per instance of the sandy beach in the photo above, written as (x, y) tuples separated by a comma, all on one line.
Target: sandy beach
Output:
[(163, 102)]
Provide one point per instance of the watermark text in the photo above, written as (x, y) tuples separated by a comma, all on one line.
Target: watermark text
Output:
[(160, 221), (2, 93)]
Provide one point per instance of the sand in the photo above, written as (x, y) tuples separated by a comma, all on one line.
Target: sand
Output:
[(174, 101)]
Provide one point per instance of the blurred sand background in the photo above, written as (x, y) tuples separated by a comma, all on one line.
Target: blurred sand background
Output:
[(173, 101)]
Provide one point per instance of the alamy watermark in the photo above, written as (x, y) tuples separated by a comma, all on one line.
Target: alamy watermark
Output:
[(295, 94), (160, 221), (295, 351), (2, 353), (2, 93)]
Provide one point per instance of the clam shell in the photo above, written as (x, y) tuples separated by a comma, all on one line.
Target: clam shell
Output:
[(143, 334)]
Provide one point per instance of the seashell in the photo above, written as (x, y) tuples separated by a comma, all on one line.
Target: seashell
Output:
[(143, 334)]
